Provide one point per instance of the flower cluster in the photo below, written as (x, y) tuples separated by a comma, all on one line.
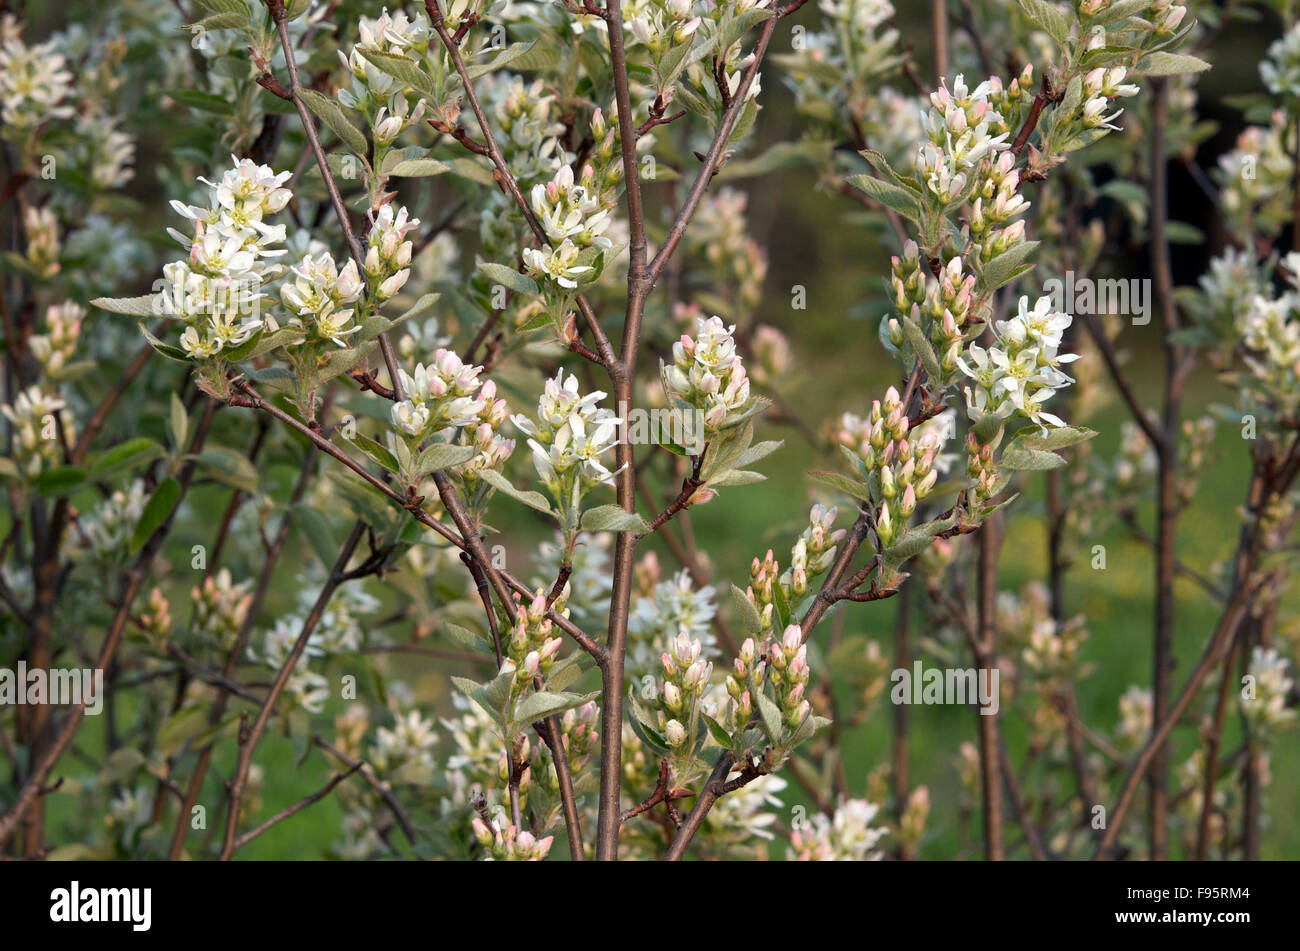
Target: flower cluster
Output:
[(568, 211), (216, 291), (34, 80), (569, 437), (666, 609), (847, 836), (1281, 69), (575, 221), (1022, 371), (1268, 706), (317, 292), (445, 394), (1255, 178)]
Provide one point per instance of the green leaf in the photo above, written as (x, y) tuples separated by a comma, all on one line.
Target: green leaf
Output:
[(540, 705), (317, 529), (418, 168), (166, 349), (230, 466), (740, 25), (1050, 17), (156, 511), (508, 276), (859, 490), (901, 200), (532, 499), (144, 306), (771, 718), (612, 518), (986, 428), (909, 545), (503, 58), (923, 349), (178, 422), (1118, 11), (1168, 64), (1054, 438), (1007, 266), (1029, 460), (440, 456), (59, 480), (400, 68), (180, 726), (375, 451), (124, 456), (203, 101), (331, 113), (720, 736), (419, 307), (749, 616)]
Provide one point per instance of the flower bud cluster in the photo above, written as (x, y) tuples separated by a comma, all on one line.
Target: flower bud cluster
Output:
[(903, 463), (110, 527), (512, 845), (54, 348), (156, 621), (771, 355), (980, 468), (707, 373), (532, 642), (43, 246), (788, 673), (686, 676), (221, 607), (388, 256), (580, 729), (814, 552), (719, 236), (36, 418)]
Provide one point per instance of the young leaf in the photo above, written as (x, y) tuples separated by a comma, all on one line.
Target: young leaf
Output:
[(612, 518), (156, 511)]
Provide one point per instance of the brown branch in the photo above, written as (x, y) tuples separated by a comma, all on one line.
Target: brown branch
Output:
[(297, 807)]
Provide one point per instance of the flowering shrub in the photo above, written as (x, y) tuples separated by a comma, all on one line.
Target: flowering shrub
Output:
[(273, 483)]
